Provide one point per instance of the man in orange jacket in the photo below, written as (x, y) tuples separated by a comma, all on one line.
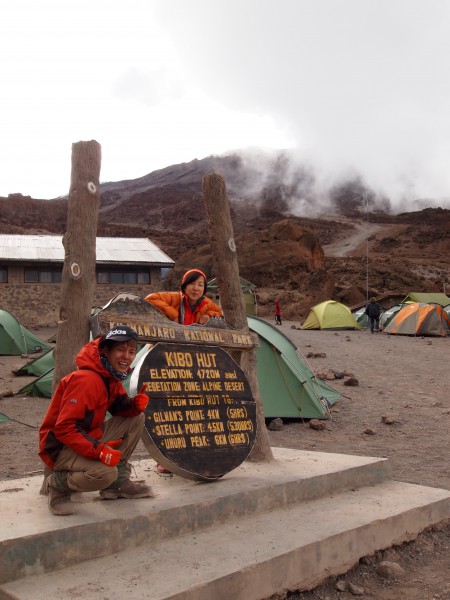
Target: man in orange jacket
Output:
[(84, 451)]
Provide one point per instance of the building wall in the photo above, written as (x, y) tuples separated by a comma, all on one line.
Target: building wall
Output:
[(37, 305)]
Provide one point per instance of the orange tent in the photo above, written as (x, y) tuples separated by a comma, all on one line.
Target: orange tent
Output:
[(419, 318)]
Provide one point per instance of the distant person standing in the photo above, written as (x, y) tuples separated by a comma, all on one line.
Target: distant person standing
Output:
[(373, 311), (277, 312)]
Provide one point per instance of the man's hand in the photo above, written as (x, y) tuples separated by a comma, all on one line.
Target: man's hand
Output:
[(108, 455), (141, 399)]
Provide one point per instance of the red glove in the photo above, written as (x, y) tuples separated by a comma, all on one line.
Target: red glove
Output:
[(108, 455), (141, 399)]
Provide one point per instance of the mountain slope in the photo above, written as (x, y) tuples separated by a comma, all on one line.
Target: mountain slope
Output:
[(343, 254)]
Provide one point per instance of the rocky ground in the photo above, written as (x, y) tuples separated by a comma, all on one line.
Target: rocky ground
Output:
[(399, 409)]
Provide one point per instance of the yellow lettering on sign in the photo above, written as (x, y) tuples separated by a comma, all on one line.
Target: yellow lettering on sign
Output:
[(205, 359), (163, 386), (170, 374), (195, 415), (220, 440), (191, 386), (168, 429), (234, 386), (178, 359), (240, 425), (196, 401), (194, 428), (174, 442), (199, 441), (215, 427), (176, 401), (211, 386), (167, 415), (211, 400), (231, 375), (237, 438), (236, 413)]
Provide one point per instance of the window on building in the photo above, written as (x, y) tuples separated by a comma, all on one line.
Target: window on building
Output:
[(3, 275), (124, 277), (42, 275), (143, 278), (102, 277)]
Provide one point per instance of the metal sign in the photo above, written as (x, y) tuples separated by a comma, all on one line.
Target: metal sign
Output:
[(201, 415)]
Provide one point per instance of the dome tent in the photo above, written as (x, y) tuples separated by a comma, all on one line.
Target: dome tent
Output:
[(15, 339), (37, 366), (330, 315), (427, 298), (289, 389), (418, 318), (387, 316), (360, 317)]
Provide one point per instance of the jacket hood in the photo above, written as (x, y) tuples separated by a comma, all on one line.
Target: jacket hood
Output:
[(89, 358)]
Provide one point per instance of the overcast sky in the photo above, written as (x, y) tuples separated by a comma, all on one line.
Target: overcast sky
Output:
[(348, 85)]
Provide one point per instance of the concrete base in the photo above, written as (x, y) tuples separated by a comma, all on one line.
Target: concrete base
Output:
[(260, 530)]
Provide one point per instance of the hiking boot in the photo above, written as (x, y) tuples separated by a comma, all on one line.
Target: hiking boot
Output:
[(44, 487), (59, 494), (129, 489)]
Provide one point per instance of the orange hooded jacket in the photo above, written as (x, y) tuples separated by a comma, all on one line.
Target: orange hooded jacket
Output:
[(169, 303), (78, 408)]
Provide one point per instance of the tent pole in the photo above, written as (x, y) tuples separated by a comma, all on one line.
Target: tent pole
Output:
[(367, 247)]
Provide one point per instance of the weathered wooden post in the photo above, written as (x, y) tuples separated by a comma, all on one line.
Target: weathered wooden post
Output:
[(78, 276), (224, 254)]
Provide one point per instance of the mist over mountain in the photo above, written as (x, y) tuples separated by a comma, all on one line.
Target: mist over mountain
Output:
[(296, 238)]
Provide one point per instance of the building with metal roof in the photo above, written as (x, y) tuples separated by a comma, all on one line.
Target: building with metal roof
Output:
[(49, 248), (31, 273)]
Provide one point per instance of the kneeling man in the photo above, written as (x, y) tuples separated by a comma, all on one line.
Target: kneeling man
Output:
[(85, 450)]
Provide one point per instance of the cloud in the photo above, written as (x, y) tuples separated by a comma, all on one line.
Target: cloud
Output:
[(356, 83), (353, 86)]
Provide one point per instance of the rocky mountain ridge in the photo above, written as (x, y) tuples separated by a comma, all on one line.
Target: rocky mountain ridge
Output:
[(345, 251)]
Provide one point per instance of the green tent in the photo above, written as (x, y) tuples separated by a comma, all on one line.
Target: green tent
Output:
[(287, 386), (360, 317), (15, 339), (330, 315), (428, 298), (41, 387), (38, 366), (248, 289)]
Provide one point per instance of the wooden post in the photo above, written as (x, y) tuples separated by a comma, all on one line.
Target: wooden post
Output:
[(78, 276), (224, 254)]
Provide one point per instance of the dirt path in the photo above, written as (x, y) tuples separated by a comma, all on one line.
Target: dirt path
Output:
[(360, 238)]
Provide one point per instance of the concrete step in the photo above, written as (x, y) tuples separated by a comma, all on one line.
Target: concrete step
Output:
[(260, 530), (32, 540), (254, 556)]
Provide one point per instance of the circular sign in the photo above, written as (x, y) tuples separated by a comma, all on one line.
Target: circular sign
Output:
[(201, 416)]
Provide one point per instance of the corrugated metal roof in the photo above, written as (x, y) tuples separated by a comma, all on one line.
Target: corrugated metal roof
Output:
[(49, 248)]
